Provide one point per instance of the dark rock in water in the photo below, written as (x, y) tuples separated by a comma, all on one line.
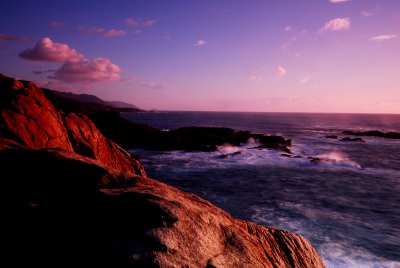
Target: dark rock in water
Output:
[(273, 142), (392, 135), (315, 160), (353, 139), (374, 133), (225, 156), (331, 136), (286, 155), (73, 197), (274, 139), (202, 138)]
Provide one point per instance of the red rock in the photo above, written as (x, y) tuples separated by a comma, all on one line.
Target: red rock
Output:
[(88, 141), (194, 233), (81, 212), (29, 119)]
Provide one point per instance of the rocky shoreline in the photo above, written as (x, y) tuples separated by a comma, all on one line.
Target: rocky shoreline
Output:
[(74, 197)]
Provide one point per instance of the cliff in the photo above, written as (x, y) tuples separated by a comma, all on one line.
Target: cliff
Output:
[(73, 197)]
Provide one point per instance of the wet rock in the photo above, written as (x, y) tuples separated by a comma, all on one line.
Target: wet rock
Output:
[(353, 139), (331, 136), (374, 133), (225, 156)]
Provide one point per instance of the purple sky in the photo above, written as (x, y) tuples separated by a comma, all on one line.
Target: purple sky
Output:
[(268, 56)]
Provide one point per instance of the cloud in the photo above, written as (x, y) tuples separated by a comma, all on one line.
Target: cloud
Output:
[(4, 37), (366, 14), (338, 24), (75, 68), (288, 29), (256, 79), (305, 79), (380, 38), (103, 32), (280, 71), (338, 1), (49, 51), (96, 70), (200, 43), (151, 85), (288, 48), (136, 23), (56, 23)]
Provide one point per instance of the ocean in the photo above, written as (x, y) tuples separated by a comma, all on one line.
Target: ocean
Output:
[(347, 204)]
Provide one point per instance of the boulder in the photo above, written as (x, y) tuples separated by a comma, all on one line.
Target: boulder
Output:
[(28, 118), (80, 213)]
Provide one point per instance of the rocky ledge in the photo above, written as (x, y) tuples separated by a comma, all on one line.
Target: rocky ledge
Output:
[(374, 133), (74, 197)]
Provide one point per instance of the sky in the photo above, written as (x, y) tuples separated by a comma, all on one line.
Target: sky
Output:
[(326, 56)]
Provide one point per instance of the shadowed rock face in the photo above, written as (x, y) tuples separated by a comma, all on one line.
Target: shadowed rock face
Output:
[(75, 198), (79, 212)]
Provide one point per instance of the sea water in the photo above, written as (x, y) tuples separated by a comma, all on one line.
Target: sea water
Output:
[(347, 204)]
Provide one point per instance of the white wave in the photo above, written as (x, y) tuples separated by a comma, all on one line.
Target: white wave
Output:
[(340, 255), (228, 149), (335, 254), (337, 158)]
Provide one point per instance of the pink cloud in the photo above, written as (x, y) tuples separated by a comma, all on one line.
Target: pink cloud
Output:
[(255, 79), (4, 37), (151, 85), (380, 38), (106, 33), (338, 1), (49, 51), (200, 43), (366, 14), (288, 29), (96, 70), (338, 24), (149, 22), (280, 71), (56, 23), (305, 79), (136, 23)]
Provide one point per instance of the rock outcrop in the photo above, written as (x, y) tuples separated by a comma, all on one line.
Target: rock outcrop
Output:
[(70, 203), (374, 133), (78, 212), (29, 118)]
